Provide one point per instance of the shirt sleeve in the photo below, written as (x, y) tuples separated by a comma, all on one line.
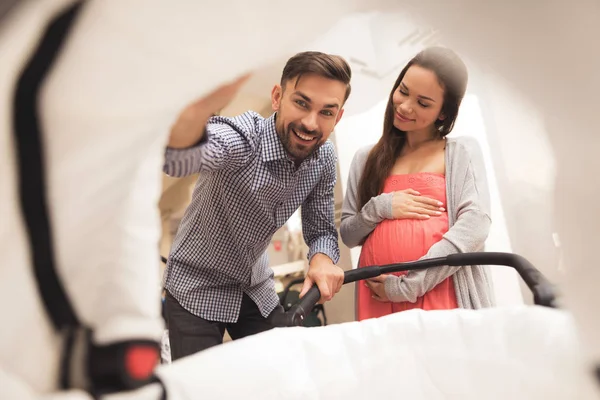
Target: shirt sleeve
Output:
[(229, 143), (318, 212)]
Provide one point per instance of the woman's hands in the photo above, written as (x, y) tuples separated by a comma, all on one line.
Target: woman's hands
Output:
[(377, 286), (409, 203)]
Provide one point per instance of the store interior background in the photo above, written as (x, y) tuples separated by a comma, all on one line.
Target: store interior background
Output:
[(493, 112)]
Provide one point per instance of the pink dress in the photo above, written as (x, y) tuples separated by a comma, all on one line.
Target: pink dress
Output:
[(402, 240)]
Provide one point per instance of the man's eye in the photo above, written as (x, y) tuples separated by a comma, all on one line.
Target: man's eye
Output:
[(301, 103)]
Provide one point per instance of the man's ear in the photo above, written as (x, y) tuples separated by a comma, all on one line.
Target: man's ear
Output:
[(276, 95), (339, 116)]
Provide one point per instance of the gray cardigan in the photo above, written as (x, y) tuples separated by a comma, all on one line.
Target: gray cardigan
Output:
[(468, 203)]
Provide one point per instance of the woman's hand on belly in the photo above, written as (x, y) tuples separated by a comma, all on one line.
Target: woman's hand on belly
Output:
[(409, 204)]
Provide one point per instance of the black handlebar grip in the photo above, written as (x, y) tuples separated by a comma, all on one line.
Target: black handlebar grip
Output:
[(361, 273), (296, 314), (310, 299)]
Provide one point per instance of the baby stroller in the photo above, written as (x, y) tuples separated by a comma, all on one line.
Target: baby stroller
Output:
[(495, 353)]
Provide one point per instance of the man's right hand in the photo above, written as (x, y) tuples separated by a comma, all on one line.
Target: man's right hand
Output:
[(189, 128), (409, 204)]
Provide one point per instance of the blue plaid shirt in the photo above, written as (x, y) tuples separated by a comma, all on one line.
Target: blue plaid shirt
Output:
[(247, 189)]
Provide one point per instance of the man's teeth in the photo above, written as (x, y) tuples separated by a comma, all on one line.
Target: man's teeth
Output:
[(303, 137)]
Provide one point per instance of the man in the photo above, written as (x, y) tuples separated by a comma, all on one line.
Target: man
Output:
[(254, 173)]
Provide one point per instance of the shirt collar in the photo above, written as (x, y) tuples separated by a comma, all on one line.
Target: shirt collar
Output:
[(272, 148)]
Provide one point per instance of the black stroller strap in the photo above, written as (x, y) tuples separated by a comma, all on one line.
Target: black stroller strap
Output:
[(32, 178)]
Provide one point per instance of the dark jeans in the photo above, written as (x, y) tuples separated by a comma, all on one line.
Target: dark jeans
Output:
[(189, 334)]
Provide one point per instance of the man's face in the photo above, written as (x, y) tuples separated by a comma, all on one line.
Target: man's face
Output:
[(307, 111)]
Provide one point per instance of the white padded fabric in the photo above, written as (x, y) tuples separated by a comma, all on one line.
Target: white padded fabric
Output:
[(513, 353)]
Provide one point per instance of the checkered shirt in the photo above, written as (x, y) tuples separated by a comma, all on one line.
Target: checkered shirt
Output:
[(247, 189)]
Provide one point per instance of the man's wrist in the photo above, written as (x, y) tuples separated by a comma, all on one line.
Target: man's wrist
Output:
[(185, 142), (189, 130), (320, 257)]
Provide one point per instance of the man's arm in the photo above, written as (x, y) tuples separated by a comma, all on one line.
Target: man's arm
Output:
[(189, 129), (228, 143), (320, 234), (197, 142)]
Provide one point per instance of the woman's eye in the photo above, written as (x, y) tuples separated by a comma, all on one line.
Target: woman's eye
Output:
[(424, 105)]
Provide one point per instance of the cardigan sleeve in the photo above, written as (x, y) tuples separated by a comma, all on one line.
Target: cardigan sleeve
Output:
[(357, 224)]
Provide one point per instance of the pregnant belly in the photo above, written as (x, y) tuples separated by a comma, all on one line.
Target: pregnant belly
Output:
[(402, 240)]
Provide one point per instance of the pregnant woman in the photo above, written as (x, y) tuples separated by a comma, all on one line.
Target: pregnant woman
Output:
[(418, 194)]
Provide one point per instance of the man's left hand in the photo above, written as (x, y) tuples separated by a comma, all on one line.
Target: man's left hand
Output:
[(328, 277)]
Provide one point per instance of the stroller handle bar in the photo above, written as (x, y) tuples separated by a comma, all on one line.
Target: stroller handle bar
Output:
[(544, 292)]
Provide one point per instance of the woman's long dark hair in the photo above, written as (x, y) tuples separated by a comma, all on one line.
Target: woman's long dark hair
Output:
[(452, 76)]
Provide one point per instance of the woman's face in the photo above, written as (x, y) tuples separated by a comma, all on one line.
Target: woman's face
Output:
[(418, 100)]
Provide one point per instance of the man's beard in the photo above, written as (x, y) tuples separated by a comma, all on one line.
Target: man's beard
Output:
[(292, 144)]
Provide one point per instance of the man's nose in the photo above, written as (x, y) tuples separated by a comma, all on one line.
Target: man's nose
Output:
[(310, 122)]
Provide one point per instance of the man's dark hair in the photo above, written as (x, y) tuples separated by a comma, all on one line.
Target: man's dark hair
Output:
[(313, 62)]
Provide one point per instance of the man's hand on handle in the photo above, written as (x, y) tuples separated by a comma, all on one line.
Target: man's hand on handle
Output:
[(328, 277), (189, 128)]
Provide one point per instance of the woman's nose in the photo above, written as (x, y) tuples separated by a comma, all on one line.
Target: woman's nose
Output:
[(405, 108)]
